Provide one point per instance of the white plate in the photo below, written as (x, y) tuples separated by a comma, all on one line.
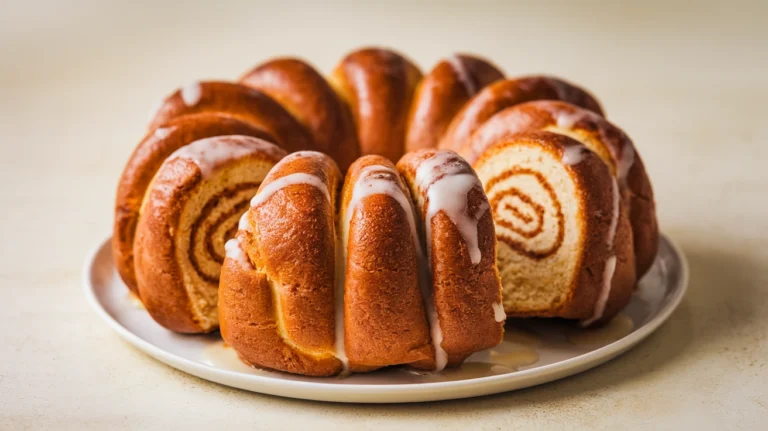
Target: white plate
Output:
[(533, 352)]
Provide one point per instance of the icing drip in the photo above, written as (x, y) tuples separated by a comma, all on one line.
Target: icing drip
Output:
[(498, 312), (574, 154), (243, 224), (211, 153), (266, 191), (234, 251), (163, 132), (566, 120), (447, 184), (374, 180), (191, 94), (614, 215), (602, 300), (379, 180), (462, 74), (341, 276)]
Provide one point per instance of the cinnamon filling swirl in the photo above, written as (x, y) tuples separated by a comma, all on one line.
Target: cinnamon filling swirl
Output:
[(216, 223), (521, 216)]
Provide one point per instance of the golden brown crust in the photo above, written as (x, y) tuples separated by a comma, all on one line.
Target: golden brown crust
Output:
[(307, 95), (158, 275), (442, 93), (291, 244), (609, 142), (642, 214), (247, 318), (158, 272), (510, 92), (378, 85), (594, 179), (625, 275), (385, 321), (240, 101), (464, 292), (594, 183), (146, 159)]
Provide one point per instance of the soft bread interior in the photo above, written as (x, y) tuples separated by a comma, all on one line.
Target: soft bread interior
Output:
[(209, 218), (539, 226)]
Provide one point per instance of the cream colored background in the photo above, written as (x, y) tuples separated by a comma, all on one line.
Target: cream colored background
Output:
[(687, 82)]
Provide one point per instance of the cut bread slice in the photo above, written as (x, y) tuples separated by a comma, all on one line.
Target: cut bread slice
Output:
[(142, 166), (191, 209), (609, 142), (564, 240)]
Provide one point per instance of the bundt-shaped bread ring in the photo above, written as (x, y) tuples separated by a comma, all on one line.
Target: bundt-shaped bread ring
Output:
[(564, 240), (391, 264), (378, 85), (146, 159), (308, 96), (461, 252), (245, 103), (609, 142), (510, 92), (191, 208), (442, 93)]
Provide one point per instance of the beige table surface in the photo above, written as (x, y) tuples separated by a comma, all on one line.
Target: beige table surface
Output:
[(688, 83)]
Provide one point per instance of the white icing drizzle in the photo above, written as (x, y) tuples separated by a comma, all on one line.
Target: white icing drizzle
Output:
[(163, 132), (566, 120), (243, 224), (614, 215), (574, 154), (379, 180), (338, 321), (211, 153), (234, 251), (191, 94), (498, 312), (602, 300), (266, 191), (375, 180), (462, 74), (446, 182)]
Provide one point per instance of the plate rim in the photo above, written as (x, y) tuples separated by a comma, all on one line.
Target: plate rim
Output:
[(392, 393)]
